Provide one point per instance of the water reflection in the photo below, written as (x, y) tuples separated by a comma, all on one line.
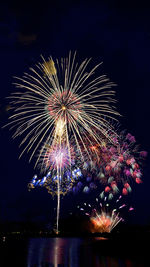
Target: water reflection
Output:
[(76, 252), (53, 252)]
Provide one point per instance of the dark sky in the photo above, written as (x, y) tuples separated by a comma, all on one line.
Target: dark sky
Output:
[(117, 34)]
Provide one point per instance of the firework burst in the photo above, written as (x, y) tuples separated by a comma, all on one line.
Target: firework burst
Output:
[(118, 166), (50, 181), (63, 97), (103, 222), (124, 164), (103, 217)]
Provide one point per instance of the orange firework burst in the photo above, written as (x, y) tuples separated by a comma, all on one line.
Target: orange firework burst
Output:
[(103, 217), (103, 222)]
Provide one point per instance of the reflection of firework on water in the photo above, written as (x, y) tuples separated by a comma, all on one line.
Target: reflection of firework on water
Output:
[(65, 94), (102, 218), (50, 181)]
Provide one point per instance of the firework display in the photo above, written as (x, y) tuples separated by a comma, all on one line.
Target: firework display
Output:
[(56, 102), (50, 181), (103, 216), (118, 167), (63, 112), (115, 170)]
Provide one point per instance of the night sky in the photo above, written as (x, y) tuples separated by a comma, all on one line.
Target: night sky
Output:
[(118, 35)]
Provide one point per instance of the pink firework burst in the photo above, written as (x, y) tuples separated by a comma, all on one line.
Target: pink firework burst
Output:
[(58, 157)]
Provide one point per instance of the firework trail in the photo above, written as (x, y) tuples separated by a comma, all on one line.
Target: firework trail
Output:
[(59, 101)]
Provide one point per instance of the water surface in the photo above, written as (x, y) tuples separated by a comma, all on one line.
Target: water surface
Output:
[(73, 252)]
